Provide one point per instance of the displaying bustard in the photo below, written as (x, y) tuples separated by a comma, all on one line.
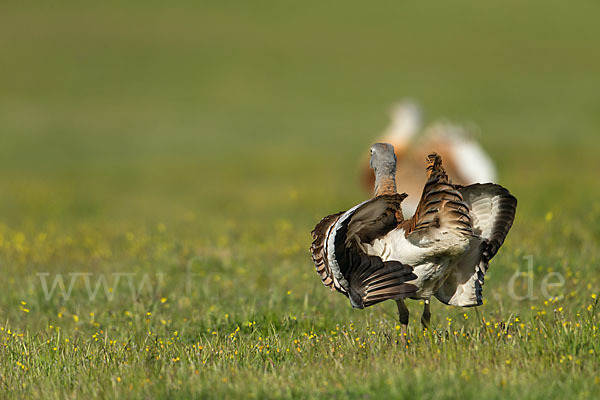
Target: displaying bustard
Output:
[(466, 160), (370, 253)]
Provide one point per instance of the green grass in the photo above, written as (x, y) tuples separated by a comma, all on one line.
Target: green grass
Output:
[(137, 137)]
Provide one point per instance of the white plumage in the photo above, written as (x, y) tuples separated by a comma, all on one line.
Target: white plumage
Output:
[(370, 253)]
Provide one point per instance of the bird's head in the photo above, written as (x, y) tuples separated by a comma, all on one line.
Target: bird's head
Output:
[(383, 158)]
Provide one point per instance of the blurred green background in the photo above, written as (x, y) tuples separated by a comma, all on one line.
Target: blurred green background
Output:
[(220, 109)]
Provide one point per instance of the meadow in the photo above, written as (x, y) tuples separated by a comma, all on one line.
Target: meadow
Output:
[(181, 154)]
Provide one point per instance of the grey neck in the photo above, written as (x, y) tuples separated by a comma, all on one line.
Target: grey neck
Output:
[(385, 179)]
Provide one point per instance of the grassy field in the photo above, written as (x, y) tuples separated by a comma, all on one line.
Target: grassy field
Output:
[(184, 151)]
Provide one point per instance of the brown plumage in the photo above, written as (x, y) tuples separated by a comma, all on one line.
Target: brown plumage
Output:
[(371, 253), (338, 248), (344, 266), (441, 204)]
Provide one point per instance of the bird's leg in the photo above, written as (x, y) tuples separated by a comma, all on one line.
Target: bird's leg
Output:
[(426, 317), (403, 316)]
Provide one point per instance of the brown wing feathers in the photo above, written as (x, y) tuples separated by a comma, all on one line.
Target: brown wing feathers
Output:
[(365, 228), (441, 205), (373, 280), (368, 279), (484, 213)]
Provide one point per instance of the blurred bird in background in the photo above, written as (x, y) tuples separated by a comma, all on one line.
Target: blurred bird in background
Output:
[(465, 160)]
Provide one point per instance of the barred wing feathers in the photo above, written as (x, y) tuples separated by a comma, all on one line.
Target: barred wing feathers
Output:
[(319, 252), (441, 210)]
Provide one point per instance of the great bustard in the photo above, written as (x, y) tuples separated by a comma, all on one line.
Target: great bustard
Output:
[(371, 253), (466, 161)]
